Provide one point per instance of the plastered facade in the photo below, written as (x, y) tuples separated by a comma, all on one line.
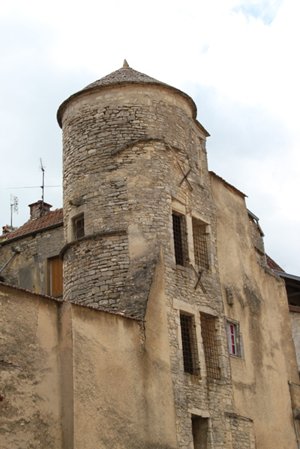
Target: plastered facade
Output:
[(133, 155)]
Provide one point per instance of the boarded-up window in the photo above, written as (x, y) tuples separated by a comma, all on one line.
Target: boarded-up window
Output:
[(55, 276), (200, 237), (210, 345)]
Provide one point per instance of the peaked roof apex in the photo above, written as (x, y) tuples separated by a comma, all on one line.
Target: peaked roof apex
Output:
[(123, 76)]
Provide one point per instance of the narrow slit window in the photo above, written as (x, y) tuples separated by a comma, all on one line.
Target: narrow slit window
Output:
[(200, 238), (210, 345), (189, 344), (179, 236), (78, 227)]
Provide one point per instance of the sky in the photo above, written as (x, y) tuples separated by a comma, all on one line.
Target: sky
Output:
[(238, 60)]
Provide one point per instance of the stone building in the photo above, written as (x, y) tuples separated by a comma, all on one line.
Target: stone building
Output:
[(171, 330)]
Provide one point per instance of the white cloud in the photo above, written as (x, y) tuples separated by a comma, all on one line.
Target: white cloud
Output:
[(237, 58)]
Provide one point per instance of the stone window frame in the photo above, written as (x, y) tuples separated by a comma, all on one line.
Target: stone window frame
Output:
[(234, 338), (180, 209)]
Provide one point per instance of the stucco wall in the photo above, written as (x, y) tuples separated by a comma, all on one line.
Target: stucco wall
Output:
[(76, 377), (29, 372), (295, 320), (261, 375)]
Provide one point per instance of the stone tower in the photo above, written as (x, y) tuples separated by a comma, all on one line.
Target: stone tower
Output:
[(131, 146), (140, 223)]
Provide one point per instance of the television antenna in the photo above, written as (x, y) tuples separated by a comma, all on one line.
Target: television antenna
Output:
[(14, 203), (43, 179)]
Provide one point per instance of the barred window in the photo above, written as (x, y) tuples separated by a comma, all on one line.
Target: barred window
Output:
[(200, 238), (78, 226), (180, 240), (234, 338), (189, 344), (210, 345)]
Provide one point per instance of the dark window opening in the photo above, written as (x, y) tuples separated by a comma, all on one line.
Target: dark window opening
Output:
[(78, 226), (200, 237), (200, 432), (189, 344), (210, 345), (180, 241)]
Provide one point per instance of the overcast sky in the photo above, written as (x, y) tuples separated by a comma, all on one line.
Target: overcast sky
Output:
[(238, 59)]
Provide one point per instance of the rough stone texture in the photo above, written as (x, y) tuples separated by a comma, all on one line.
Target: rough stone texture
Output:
[(137, 145), (28, 268), (133, 154)]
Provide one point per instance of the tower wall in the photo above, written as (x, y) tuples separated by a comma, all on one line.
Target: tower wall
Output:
[(121, 151)]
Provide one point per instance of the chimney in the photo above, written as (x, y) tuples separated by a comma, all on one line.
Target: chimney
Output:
[(6, 229), (39, 209)]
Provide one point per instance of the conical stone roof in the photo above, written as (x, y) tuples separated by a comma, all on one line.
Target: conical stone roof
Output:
[(123, 76)]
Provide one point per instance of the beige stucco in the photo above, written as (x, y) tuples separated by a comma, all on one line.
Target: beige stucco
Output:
[(30, 409), (260, 377), (84, 378)]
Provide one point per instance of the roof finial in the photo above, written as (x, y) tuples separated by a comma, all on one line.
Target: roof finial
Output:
[(125, 64)]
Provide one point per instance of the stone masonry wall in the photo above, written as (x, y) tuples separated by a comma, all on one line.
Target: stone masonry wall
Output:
[(28, 269), (131, 156)]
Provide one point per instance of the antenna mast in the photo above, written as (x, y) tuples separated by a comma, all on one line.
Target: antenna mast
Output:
[(43, 179), (13, 208)]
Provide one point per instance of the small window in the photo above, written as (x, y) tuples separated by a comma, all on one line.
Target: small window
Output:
[(55, 277), (189, 344), (78, 227), (200, 244), (180, 241), (210, 345), (234, 338)]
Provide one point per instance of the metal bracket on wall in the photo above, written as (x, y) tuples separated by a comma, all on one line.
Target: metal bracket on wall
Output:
[(199, 275), (185, 176)]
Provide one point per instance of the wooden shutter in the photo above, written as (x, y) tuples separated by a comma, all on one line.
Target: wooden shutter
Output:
[(55, 270)]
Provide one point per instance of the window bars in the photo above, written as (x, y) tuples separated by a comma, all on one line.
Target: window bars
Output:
[(179, 236), (189, 344), (200, 244), (210, 345)]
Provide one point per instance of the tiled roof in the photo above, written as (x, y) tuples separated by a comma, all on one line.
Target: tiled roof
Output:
[(272, 264), (50, 220)]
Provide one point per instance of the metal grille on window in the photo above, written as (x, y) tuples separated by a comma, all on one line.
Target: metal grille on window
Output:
[(179, 235), (189, 344), (200, 244), (210, 345), (79, 227)]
